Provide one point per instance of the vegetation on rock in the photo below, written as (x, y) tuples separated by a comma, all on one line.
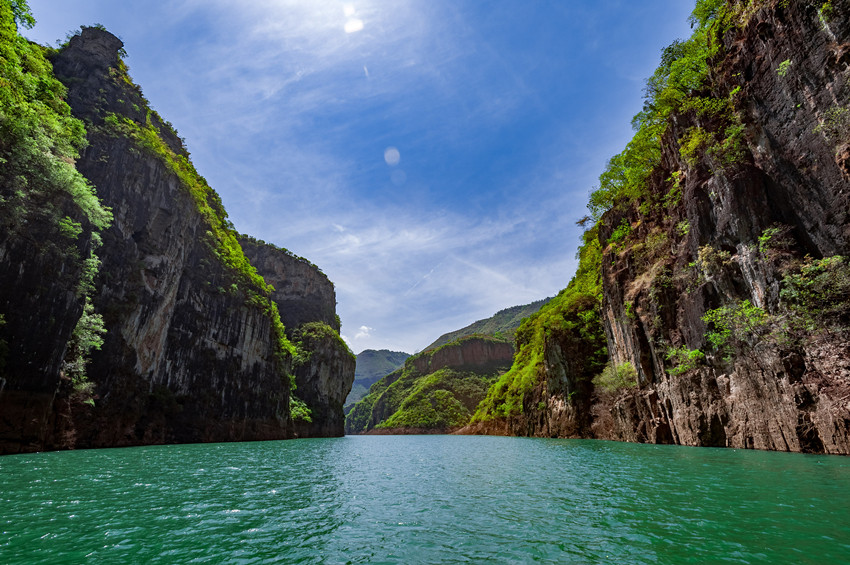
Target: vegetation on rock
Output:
[(41, 192)]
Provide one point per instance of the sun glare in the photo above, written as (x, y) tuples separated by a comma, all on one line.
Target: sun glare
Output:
[(353, 25)]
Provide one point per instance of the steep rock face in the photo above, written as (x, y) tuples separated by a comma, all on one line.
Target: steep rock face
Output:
[(188, 356), (303, 293), (790, 66), (323, 382), (475, 352), (307, 303), (40, 306), (50, 220)]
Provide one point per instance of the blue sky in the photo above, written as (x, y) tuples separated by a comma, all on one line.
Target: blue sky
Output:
[(431, 156)]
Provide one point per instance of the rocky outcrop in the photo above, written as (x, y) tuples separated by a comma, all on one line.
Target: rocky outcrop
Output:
[(323, 380), (724, 269), (188, 355), (194, 349), (306, 300), (40, 273), (748, 227), (302, 292), (482, 354)]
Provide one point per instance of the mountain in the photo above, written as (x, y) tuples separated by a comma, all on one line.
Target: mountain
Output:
[(711, 306), (131, 312), (435, 391), (502, 324), (372, 365), (438, 389)]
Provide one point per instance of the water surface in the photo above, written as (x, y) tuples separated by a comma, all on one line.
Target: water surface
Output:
[(424, 499)]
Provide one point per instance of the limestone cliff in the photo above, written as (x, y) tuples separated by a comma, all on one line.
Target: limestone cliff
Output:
[(744, 231), (324, 368), (194, 349), (718, 263)]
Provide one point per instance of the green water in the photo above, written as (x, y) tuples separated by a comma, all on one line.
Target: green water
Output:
[(424, 499)]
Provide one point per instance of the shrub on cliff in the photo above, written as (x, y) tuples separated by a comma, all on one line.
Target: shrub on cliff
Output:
[(41, 192), (575, 315)]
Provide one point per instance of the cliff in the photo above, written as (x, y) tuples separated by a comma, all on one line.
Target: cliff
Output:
[(719, 251), (194, 348), (436, 391), (324, 366), (727, 348)]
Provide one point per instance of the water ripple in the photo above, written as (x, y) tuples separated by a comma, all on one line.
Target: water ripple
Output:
[(424, 499)]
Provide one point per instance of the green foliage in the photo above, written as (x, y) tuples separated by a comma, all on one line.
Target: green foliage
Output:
[(626, 174), (306, 336), (69, 228), (735, 326), (711, 261), (677, 86), (621, 232), (817, 296), (575, 312), (39, 139), (783, 67), (684, 360), (21, 13), (299, 410), (683, 227), (39, 185), (765, 238), (407, 399), (694, 143), (615, 378), (674, 195), (87, 336), (835, 124), (442, 400)]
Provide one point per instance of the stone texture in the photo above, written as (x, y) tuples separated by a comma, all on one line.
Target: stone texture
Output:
[(772, 396), (189, 354), (305, 297)]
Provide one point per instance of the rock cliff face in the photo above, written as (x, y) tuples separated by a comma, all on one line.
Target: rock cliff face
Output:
[(306, 300), (725, 280), (473, 353), (194, 350), (749, 226), (40, 307)]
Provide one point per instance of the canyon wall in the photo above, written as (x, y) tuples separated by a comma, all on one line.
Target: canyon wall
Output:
[(194, 348), (750, 225), (306, 299), (719, 282)]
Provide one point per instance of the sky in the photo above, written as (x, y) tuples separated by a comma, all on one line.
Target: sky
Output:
[(431, 156)]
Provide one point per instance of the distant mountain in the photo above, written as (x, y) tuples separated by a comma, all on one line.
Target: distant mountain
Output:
[(501, 324), (436, 391), (372, 365)]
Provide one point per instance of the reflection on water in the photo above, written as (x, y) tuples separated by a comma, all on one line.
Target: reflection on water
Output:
[(424, 499)]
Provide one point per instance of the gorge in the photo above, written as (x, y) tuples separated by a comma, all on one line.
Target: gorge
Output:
[(710, 306)]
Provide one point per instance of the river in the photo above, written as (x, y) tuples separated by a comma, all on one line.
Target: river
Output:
[(424, 499)]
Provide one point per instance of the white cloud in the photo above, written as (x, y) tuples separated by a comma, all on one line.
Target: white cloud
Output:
[(364, 332)]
